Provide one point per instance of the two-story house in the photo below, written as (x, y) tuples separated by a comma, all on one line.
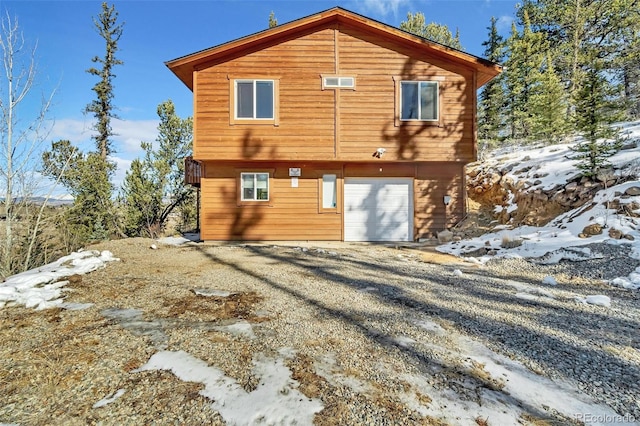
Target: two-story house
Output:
[(332, 127)]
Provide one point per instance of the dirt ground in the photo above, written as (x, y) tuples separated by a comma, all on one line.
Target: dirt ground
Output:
[(337, 305)]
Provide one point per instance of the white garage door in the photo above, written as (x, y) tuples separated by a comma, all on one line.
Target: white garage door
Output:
[(378, 209)]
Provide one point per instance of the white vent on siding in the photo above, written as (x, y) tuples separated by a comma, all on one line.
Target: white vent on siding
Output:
[(336, 82)]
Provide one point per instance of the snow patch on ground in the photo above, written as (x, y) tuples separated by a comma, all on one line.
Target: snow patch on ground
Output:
[(239, 328), (545, 168), (512, 390), (276, 400), (109, 399), (211, 292), (597, 299), (174, 241), (42, 287)]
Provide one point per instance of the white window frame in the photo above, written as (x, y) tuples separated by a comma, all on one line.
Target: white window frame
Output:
[(343, 82), (255, 186), (255, 100), (437, 101), (330, 182)]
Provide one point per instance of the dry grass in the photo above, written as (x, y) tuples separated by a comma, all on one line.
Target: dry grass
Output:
[(478, 372), (509, 242), (430, 255), (532, 420), (481, 422), (303, 371), (211, 307)]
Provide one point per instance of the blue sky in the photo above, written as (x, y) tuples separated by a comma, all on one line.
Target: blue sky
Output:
[(158, 31)]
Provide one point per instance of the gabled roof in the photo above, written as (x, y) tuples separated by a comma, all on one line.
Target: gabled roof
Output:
[(184, 66)]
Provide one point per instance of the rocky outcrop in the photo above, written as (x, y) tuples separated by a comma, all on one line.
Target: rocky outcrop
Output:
[(527, 202)]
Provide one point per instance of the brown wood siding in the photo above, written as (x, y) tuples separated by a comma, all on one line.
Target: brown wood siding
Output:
[(379, 170), (434, 181), (368, 114), (290, 213), (306, 113), (307, 126), (295, 213)]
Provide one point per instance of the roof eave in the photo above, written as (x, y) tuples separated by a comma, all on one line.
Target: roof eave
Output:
[(184, 66)]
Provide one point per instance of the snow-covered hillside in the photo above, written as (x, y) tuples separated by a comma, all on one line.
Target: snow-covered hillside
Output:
[(611, 216)]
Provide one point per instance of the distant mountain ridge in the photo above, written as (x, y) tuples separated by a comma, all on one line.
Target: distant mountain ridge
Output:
[(62, 200)]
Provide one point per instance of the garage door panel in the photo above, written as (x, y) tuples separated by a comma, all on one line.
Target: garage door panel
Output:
[(393, 219), (378, 209)]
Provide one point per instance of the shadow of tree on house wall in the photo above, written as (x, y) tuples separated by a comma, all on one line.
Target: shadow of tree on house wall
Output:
[(433, 183), (240, 218), (383, 224), (251, 147), (406, 135)]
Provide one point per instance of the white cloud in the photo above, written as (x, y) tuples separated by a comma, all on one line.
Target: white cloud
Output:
[(122, 165), (504, 23), (383, 7), (129, 134), (75, 131), (127, 138)]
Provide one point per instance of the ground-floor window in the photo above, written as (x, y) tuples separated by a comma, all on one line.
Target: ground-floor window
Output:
[(329, 192), (255, 186)]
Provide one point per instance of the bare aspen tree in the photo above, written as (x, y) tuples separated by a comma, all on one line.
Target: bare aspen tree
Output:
[(20, 139)]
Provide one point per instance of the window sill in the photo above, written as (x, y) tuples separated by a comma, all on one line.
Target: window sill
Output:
[(254, 203), (417, 123), (257, 121), (332, 210)]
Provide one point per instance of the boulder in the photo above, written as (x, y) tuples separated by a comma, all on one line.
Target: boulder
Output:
[(632, 191), (571, 186), (606, 175), (592, 229), (506, 182), (472, 173), (445, 236), (616, 234)]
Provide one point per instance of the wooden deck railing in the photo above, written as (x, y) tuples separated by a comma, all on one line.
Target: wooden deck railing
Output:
[(192, 171)]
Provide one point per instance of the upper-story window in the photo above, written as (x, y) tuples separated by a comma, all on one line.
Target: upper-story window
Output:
[(254, 99), (419, 101)]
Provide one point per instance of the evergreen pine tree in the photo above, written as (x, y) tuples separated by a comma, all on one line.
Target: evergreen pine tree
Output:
[(596, 110), (491, 99), (513, 77), (523, 78), (81, 174), (142, 199), (579, 31), (628, 68), (154, 187), (439, 33), (548, 105), (273, 21), (102, 107), (88, 176)]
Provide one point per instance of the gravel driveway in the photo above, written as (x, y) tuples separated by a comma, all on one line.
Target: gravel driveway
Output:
[(376, 334)]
